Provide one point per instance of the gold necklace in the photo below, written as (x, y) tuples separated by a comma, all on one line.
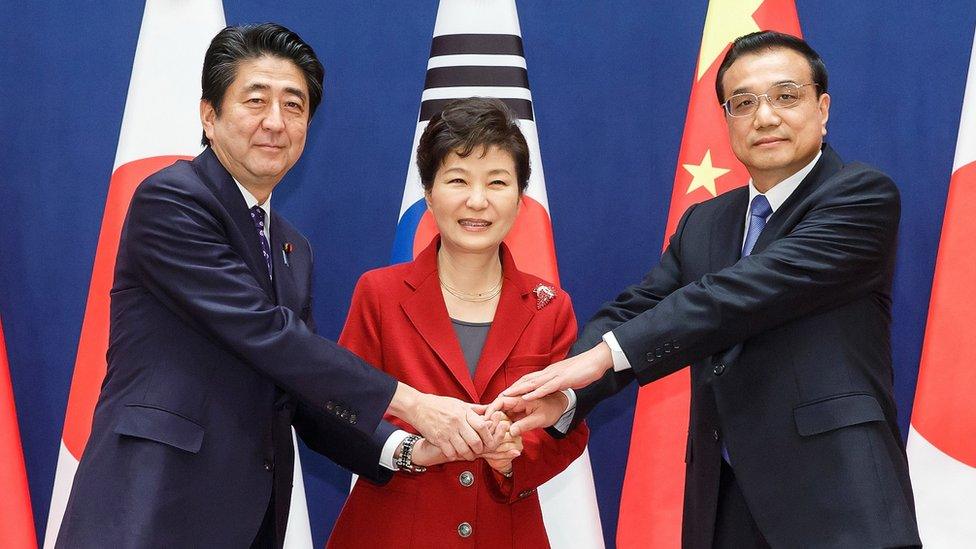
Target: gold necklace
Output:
[(487, 295)]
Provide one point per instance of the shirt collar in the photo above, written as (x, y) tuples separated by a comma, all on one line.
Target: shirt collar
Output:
[(250, 201), (782, 190)]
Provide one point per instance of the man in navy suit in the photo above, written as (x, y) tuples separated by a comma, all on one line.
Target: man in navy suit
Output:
[(779, 296), (212, 354)]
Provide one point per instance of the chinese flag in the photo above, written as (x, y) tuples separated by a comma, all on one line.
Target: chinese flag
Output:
[(653, 490), (16, 519)]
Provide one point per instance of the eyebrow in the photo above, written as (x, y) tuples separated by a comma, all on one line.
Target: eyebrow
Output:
[(260, 86), (746, 90), (499, 170)]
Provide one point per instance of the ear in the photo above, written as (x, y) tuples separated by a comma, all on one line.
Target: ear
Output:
[(427, 199), (823, 105), (208, 117)]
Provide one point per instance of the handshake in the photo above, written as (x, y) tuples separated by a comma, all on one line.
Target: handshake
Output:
[(455, 430)]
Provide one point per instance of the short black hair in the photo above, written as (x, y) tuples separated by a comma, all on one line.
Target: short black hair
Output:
[(239, 43), (466, 124), (772, 40)]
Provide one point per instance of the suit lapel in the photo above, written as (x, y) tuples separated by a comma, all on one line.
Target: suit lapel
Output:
[(511, 318), (284, 277), (428, 314), (222, 184), (829, 164), (728, 231)]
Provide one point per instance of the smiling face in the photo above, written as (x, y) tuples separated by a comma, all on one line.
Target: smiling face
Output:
[(260, 132), (774, 144), (475, 199)]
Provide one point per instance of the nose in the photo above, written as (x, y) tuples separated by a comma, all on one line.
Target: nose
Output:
[(765, 114), (273, 120), (477, 198)]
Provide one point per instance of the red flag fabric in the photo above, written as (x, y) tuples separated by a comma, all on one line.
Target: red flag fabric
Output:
[(16, 518), (653, 489), (942, 437)]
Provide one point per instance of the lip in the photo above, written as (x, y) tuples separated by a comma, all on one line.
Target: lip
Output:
[(473, 224), (270, 147), (768, 141)]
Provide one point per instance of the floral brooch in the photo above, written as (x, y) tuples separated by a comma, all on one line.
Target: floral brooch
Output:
[(543, 295)]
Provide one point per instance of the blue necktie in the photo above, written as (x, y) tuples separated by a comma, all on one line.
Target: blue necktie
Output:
[(257, 214), (758, 214)]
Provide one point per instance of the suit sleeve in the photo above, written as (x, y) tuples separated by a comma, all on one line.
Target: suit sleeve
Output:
[(660, 282), (350, 449), (183, 256), (543, 457), (841, 250)]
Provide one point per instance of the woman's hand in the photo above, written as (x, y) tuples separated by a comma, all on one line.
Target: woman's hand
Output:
[(426, 454), (510, 448)]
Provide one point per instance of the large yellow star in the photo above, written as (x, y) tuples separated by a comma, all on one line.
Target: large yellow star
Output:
[(704, 174), (725, 21)]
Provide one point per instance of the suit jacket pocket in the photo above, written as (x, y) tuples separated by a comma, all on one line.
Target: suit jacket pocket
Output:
[(161, 426), (835, 412)]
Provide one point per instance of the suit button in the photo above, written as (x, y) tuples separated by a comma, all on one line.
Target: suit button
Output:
[(268, 466), (667, 348), (464, 530), (650, 357), (658, 353), (352, 418), (715, 434), (466, 478), (719, 368), (676, 346), (330, 405), (344, 414)]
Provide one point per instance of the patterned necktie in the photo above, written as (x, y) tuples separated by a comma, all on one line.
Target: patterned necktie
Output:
[(758, 214), (257, 214)]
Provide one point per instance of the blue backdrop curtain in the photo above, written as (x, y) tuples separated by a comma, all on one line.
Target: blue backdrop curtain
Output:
[(610, 82)]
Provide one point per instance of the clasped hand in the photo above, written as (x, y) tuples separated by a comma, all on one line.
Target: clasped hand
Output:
[(499, 458)]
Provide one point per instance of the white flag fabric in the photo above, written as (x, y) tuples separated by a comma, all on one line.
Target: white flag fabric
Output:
[(160, 124), (942, 437), (477, 50)]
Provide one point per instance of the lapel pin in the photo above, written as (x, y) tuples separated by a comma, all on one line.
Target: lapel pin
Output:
[(286, 249), (543, 294)]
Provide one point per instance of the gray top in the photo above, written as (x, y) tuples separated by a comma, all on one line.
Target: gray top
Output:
[(472, 337)]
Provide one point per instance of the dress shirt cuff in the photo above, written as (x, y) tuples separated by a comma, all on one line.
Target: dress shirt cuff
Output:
[(386, 456), (562, 425), (620, 362)]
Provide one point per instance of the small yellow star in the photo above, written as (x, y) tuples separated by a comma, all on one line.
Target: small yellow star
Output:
[(725, 21), (704, 174)]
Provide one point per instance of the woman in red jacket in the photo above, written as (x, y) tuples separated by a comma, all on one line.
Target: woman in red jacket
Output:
[(461, 320)]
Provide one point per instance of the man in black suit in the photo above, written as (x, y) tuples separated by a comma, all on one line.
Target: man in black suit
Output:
[(212, 354), (779, 296)]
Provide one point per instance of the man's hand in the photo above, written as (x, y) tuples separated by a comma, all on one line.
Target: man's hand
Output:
[(426, 454), (573, 373), (455, 427), (530, 414)]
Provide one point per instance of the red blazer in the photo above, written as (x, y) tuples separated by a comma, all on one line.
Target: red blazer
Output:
[(399, 323)]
